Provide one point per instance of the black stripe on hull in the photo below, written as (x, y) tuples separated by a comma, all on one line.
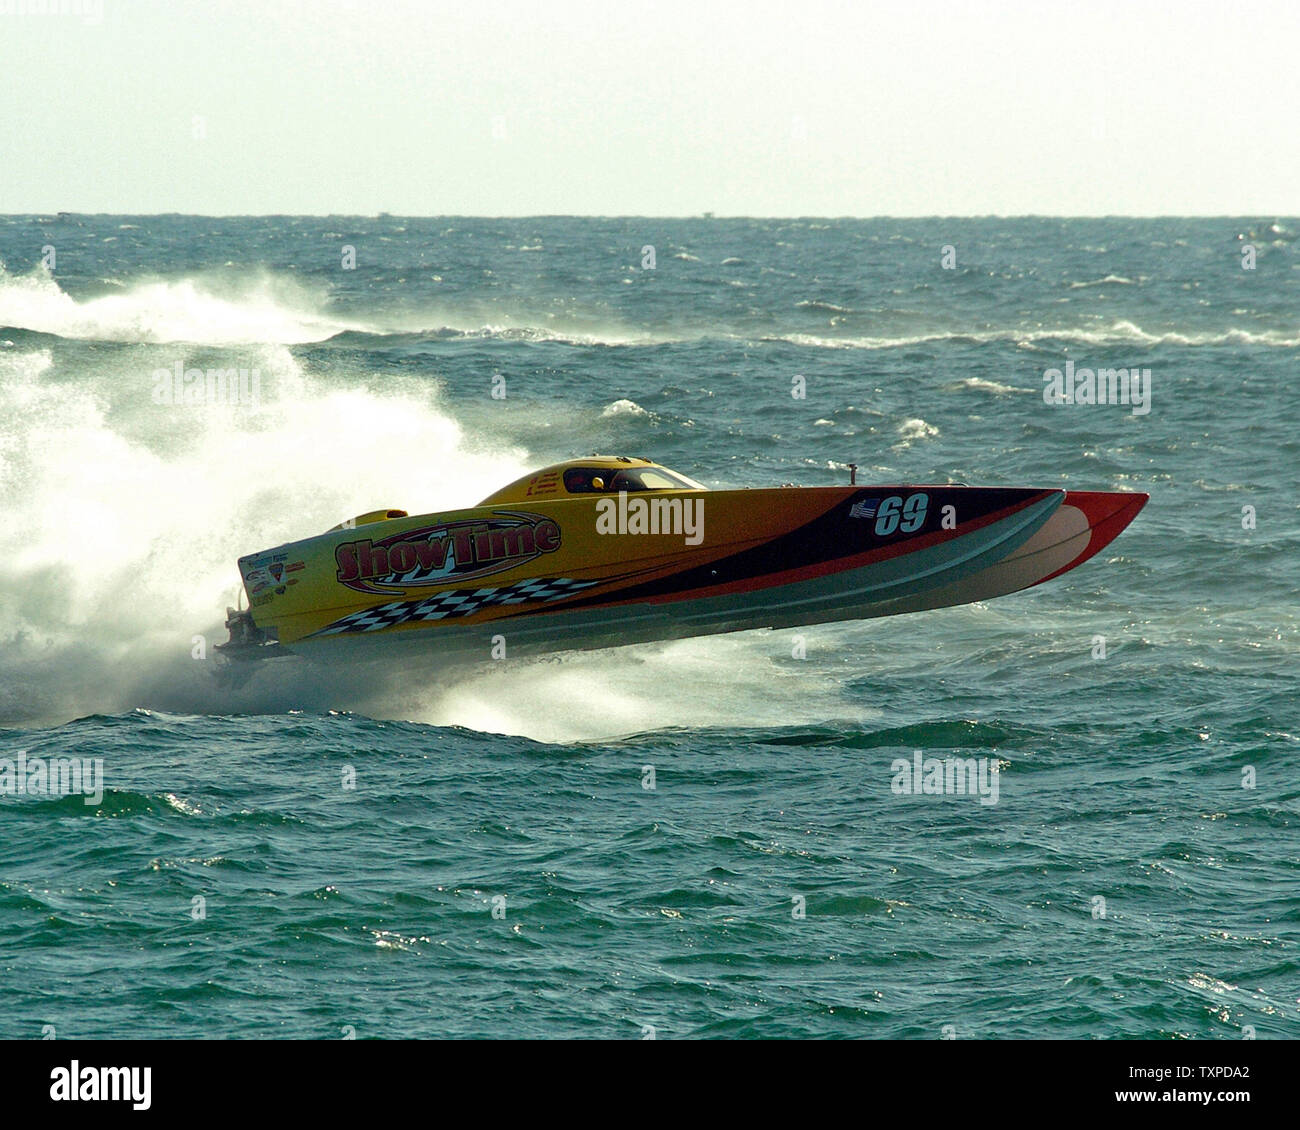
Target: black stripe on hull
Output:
[(830, 537)]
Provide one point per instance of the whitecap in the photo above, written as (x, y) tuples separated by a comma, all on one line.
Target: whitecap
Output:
[(623, 408)]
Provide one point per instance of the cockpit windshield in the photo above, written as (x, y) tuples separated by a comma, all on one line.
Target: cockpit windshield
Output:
[(582, 480)]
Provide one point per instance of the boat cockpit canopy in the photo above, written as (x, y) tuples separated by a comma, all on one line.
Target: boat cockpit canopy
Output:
[(600, 474), (584, 480)]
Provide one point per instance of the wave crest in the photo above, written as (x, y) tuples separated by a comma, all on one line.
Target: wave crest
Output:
[(208, 311)]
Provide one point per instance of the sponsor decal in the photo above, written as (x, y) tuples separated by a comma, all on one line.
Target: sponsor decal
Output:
[(269, 570), (545, 483), (450, 551), (259, 570)]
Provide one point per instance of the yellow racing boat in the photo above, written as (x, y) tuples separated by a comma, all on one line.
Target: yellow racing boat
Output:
[(607, 551)]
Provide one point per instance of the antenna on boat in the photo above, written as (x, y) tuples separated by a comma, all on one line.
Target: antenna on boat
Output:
[(853, 474)]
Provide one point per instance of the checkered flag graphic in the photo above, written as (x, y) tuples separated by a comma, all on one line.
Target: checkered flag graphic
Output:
[(454, 602)]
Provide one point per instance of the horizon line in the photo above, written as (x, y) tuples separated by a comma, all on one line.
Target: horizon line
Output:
[(62, 213)]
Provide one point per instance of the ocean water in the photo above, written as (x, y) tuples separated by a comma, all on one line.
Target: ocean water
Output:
[(318, 853)]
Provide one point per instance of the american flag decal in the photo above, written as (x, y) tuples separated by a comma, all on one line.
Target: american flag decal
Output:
[(864, 509)]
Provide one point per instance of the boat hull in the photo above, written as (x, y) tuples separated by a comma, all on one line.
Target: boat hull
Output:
[(577, 573), (1085, 523)]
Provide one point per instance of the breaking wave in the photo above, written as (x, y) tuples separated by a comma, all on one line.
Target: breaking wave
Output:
[(1117, 333), (202, 310), (211, 309)]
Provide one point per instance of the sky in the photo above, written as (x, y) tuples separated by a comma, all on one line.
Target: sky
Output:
[(663, 108)]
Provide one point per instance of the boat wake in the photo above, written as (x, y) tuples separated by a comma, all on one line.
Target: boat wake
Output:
[(113, 560), (121, 519)]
